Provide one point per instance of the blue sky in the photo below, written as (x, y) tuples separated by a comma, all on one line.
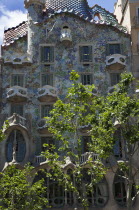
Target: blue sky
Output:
[(12, 12)]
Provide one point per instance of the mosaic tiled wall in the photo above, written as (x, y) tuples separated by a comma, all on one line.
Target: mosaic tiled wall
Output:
[(66, 58)]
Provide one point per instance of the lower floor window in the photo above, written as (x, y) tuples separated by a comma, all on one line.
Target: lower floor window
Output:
[(120, 189), (58, 196)]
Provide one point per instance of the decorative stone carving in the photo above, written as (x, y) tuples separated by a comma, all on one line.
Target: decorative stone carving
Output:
[(17, 93), (47, 93), (42, 126), (16, 119), (116, 61)]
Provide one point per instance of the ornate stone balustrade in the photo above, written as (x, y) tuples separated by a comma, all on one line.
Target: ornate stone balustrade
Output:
[(66, 35), (116, 61), (87, 155), (17, 93), (16, 119), (39, 159), (47, 93)]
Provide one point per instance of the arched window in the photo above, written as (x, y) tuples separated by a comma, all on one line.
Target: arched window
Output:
[(55, 193), (15, 146), (120, 189), (97, 196)]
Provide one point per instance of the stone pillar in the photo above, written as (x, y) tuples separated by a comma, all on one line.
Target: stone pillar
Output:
[(35, 11)]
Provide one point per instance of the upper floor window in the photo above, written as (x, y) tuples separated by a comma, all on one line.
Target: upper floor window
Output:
[(118, 153), (17, 80), (114, 49), (45, 110), (86, 79), (85, 54), (47, 54), (17, 108), (85, 141), (47, 79), (115, 78)]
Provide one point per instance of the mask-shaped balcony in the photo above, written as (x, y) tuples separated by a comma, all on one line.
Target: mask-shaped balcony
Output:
[(42, 126), (66, 35), (17, 94), (47, 93), (115, 61)]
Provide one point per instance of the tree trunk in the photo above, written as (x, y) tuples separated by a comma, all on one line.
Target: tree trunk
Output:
[(130, 182)]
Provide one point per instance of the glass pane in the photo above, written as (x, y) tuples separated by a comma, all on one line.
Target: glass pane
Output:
[(17, 80), (20, 147), (16, 108), (114, 49), (86, 140), (86, 79), (47, 54), (45, 110), (47, 79), (15, 140), (115, 78), (86, 53), (9, 147), (118, 144)]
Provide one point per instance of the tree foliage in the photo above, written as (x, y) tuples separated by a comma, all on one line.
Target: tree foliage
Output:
[(17, 191), (102, 116)]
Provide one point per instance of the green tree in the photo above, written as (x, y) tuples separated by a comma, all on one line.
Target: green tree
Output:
[(120, 111), (17, 191), (101, 116), (79, 109)]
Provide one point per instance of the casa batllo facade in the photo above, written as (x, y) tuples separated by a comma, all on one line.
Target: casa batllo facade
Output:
[(37, 57)]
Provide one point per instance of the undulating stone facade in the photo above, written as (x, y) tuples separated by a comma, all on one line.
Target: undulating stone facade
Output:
[(37, 57)]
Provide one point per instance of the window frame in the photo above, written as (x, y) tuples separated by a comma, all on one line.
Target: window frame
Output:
[(85, 148), (50, 74), (10, 144), (87, 74), (82, 61), (14, 104), (113, 43), (116, 73), (41, 109), (51, 61), (22, 79)]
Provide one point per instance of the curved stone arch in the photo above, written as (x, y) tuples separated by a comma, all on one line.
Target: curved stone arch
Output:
[(17, 166), (27, 139)]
